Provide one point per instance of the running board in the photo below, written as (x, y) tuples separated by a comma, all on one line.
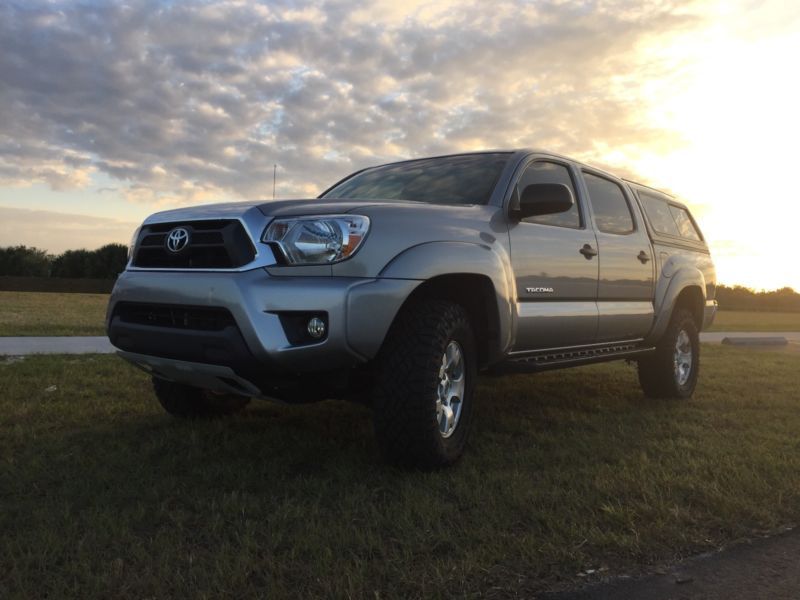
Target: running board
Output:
[(570, 357)]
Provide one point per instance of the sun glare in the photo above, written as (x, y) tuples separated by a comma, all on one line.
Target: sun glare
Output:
[(735, 106)]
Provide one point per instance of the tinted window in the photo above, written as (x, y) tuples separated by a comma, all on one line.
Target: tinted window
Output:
[(659, 214), (463, 179), (685, 225), (547, 172), (611, 211)]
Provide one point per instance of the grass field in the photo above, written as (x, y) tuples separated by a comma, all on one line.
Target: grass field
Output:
[(35, 313), (103, 495), (39, 313), (739, 320)]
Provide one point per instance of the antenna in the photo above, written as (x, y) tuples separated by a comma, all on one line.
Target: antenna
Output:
[(274, 178)]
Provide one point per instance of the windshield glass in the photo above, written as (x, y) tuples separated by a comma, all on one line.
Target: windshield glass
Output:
[(461, 179)]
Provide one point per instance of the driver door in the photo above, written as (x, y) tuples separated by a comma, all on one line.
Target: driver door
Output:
[(556, 282)]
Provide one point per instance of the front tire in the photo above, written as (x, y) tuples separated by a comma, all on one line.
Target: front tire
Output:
[(424, 384), (181, 400), (672, 370)]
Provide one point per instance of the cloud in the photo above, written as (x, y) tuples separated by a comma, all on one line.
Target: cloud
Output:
[(56, 231), (186, 102)]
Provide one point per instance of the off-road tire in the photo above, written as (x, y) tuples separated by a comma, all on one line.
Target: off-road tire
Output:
[(407, 379), (189, 402), (657, 372)]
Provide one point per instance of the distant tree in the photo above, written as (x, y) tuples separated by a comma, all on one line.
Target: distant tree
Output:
[(21, 261), (72, 263), (107, 262), (104, 263), (742, 298)]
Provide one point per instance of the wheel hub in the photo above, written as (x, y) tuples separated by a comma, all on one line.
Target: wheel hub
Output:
[(682, 358), (450, 390)]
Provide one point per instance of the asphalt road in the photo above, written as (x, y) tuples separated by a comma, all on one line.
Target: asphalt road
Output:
[(20, 346), (793, 337), (762, 569)]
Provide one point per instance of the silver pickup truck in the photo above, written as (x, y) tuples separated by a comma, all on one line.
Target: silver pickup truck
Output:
[(401, 282)]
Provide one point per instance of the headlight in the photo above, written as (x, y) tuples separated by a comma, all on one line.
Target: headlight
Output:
[(317, 240), (132, 244)]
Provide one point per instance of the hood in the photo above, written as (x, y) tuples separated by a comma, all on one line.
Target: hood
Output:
[(273, 208), (223, 210), (321, 206)]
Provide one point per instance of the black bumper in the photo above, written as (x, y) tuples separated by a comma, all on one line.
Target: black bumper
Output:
[(215, 342)]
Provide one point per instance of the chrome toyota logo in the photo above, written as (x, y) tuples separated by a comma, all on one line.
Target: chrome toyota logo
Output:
[(177, 239)]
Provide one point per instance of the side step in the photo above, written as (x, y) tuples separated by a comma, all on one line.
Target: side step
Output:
[(571, 357)]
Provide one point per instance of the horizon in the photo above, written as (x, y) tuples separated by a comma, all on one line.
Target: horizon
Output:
[(729, 285), (110, 112)]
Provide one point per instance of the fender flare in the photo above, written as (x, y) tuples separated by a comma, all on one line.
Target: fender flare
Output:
[(433, 259), (667, 291)]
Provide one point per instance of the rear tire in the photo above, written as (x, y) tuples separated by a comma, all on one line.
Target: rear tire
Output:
[(672, 370), (424, 383), (189, 402)]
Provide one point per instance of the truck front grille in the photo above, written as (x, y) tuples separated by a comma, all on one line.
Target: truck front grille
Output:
[(216, 244), (174, 316)]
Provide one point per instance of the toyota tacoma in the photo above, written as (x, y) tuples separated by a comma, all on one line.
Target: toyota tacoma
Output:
[(400, 283)]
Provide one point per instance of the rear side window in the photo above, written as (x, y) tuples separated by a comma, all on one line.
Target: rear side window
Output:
[(609, 205), (658, 213), (669, 219), (684, 222), (549, 172)]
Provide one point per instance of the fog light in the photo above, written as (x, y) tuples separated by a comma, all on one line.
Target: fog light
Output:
[(316, 328)]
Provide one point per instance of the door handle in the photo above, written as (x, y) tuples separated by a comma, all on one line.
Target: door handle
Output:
[(643, 256), (588, 251)]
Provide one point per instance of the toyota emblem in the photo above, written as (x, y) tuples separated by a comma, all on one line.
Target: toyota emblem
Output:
[(177, 239)]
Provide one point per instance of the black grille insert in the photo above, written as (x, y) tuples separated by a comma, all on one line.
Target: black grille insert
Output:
[(213, 244), (197, 318)]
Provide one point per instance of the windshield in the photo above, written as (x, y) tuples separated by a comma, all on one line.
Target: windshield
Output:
[(460, 179)]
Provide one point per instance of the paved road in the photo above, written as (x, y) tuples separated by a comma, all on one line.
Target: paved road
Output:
[(765, 569), (19, 346), (717, 336)]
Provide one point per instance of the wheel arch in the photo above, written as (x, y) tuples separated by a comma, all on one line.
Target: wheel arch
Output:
[(476, 276), (476, 294), (684, 289), (691, 298)]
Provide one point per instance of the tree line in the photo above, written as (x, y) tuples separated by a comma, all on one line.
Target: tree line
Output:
[(104, 263), (110, 260), (743, 298)]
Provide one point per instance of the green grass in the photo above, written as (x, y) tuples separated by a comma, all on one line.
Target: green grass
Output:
[(740, 320), (102, 495), (38, 313)]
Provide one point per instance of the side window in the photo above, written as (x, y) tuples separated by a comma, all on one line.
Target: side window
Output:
[(684, 222), (549, 172), (658, 212), (611, 211)]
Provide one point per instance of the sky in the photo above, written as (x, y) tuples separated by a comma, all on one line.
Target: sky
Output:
[(110, 111)]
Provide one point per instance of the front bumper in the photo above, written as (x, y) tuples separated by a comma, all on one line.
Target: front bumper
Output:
[(359, 313)]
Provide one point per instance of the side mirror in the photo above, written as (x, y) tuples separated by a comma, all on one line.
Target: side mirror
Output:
[(544, 199)]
